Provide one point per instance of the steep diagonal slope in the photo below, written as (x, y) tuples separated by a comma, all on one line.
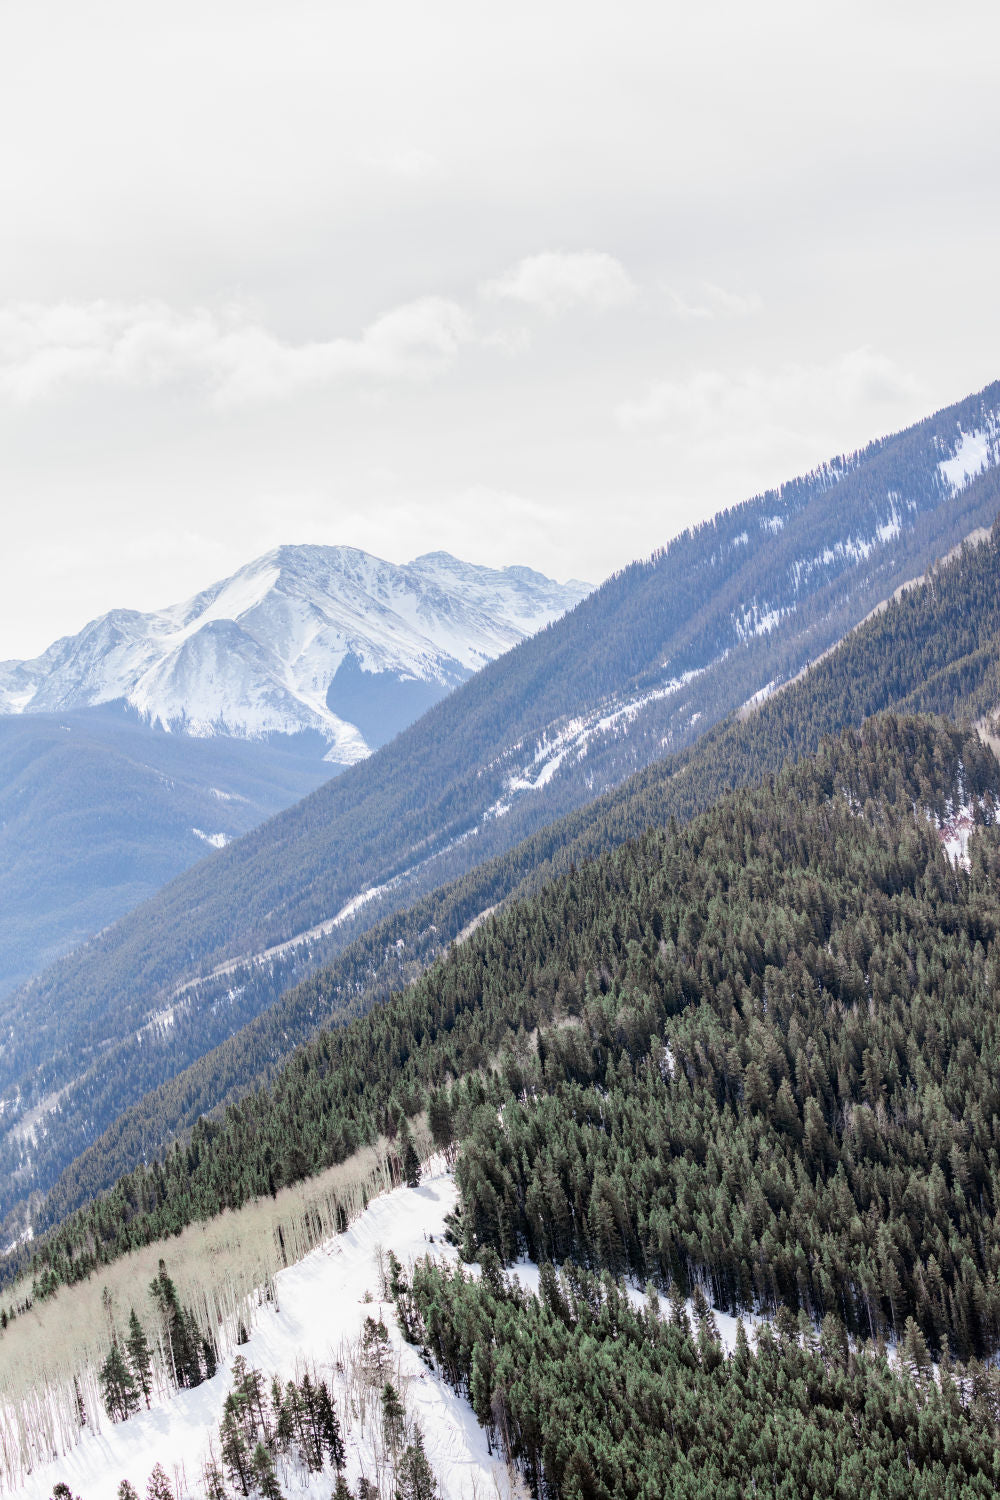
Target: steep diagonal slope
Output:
[(935, 650), (647, 662)]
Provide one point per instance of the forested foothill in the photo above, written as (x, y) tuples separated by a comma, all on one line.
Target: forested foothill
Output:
[(751, 1060), (757, 1053)]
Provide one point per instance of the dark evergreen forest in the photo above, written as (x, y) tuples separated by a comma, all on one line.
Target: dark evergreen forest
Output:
[(595, 1399)]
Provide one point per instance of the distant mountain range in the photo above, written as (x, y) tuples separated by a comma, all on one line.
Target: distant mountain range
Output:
[(130, 749), (326, 640)]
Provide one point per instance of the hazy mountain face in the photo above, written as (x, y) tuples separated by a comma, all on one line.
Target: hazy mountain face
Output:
[(130, 750)]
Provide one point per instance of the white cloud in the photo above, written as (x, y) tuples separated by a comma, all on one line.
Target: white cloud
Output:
[(228, 353), (788, 397), (557, 280), (713, 301)]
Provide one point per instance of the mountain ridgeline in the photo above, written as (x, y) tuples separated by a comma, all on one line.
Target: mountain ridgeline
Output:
[(935, 649), (649, 661)]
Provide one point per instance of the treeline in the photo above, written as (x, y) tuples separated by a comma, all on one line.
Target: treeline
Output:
[(594, 1399), (936, 649), (820, 570), (758, 1053)]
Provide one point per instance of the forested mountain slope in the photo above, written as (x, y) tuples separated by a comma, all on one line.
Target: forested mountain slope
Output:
[(645, 663), (935, 649), (757, 1054)]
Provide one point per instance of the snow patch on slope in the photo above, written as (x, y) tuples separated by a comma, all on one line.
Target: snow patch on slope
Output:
[(974, 453), (216, 840), (571, 743)]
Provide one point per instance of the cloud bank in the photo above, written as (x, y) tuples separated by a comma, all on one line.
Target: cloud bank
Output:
[(228, 354)]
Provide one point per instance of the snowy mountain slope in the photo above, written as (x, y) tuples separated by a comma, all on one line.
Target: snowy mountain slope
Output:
[(315, 1322), (259, 653)]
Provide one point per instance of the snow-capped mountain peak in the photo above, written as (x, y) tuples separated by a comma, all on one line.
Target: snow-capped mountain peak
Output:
[(299, 639)]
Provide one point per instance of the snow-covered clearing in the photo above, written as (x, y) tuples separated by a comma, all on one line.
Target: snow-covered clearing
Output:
[(955, 832), (572, 742), (217, 840), (972, 455), (316, 1320)]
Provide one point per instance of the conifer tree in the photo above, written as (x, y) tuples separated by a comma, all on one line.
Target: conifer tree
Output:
[(235, 1449), (328, 1425), (140, 1359), (414, 1476), (159, 1486), (264, 1474), (411, 1161), (117, 1386), (393, 1417), (127, 1491)]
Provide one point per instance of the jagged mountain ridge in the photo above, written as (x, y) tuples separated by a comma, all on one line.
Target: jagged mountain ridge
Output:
[(262, 652), (646, 663)]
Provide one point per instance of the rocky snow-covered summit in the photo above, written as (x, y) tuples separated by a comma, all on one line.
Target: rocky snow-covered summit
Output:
[(327, 639)]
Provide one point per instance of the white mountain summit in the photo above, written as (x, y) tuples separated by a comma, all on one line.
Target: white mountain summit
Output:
[(326, 639)]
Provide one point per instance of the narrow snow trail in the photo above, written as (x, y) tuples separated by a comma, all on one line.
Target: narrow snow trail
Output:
[(320, 1311)]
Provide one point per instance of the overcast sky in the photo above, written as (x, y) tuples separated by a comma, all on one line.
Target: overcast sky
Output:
[(538, 283)]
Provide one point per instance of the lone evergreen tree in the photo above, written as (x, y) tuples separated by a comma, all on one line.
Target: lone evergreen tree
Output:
[(159, 1486), (140, 1359), (264, 1474), (411, 1161), (327, 1424), (415, 1477), (392, 1418)]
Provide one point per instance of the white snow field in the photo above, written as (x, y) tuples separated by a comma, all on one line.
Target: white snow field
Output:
[(317, 1320)]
